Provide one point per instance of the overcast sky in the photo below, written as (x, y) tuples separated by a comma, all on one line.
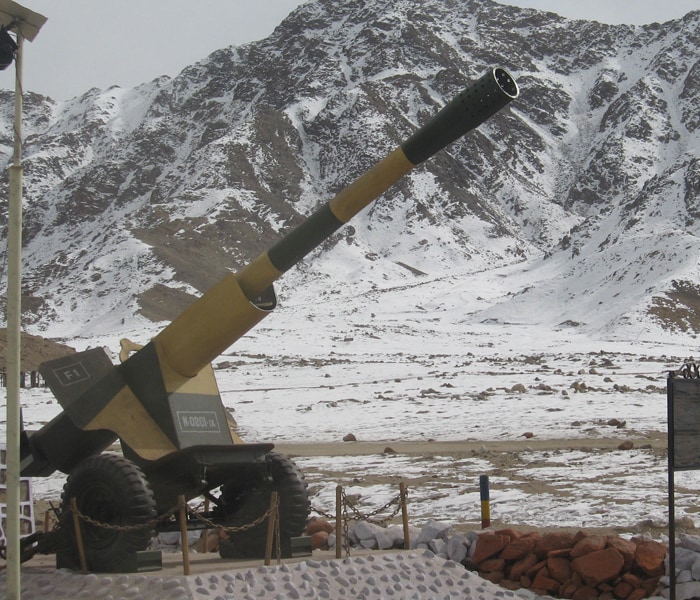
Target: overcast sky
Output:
[(99, 43)]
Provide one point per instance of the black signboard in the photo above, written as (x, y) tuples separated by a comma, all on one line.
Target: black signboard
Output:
[(684, 399), (683, 405)]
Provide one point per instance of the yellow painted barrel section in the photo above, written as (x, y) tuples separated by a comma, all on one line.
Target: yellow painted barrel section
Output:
[(207, 327), (367, 188)]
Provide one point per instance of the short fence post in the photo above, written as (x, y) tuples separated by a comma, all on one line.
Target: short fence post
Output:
[(47, 522), (404, 516), (485, 502), (338, 520), (182, 505), (205, 549), (271, 525), (78, 535)]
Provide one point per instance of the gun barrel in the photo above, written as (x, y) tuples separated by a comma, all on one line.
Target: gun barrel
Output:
[(220, 317), (467, 110)]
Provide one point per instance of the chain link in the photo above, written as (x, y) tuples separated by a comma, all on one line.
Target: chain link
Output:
[(145, 525), (360, 516), (153, 522), (328, 516), (213, 525)]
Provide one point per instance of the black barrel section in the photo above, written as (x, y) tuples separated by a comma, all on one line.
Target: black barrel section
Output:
[(302, 240), (467, 110)]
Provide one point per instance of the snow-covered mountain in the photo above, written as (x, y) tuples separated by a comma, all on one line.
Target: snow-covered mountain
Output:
[(575, 206)]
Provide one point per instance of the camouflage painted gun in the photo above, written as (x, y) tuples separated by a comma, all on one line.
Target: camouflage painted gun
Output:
[(162, 402)]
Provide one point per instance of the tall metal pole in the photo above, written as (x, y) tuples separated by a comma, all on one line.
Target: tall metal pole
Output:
[(14, 312), (671, 457)]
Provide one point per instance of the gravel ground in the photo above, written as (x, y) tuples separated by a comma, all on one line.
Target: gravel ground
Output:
[(400, 575)]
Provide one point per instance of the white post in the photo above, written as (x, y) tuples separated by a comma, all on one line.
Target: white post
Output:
[(14, 325)]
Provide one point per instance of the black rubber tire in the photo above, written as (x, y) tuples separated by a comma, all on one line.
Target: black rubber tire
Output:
[(244, 505), (110, 489)]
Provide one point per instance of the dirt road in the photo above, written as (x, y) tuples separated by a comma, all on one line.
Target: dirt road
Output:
[(656, 440)]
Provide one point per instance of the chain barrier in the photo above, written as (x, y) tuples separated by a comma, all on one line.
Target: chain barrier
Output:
[(213, 525), (358, 515), (145, 525), (161, 518), (318, 511)]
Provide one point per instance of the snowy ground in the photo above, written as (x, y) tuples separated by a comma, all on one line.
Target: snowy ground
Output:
[(411, 377)]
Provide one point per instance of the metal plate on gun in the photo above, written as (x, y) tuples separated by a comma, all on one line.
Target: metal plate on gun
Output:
[(71, 376), (199, 419)]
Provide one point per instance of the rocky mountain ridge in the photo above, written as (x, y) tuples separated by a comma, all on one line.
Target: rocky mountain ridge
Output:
[(583, 193)]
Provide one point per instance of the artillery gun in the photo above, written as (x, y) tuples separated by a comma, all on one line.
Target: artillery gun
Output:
[(162, 402)]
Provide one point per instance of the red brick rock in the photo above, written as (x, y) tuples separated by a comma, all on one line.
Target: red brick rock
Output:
[(511, 534), (492, 564), (650, 584), (622, 590), (319, 540), (632, 579), (638, 594), (488, 545), (316, 525), (579, 536), (518, 548), (571, 566), (649, 556), (625, 547), (585, 593), (522, 566), (493, 576), (544, 583), (599, 566), (568, 589), (509, 584), (559, 568), (544, 571), (553, 541), (588, 544), (536, 568)]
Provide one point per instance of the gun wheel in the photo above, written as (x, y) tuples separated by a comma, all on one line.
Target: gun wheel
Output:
[(244, 504), (108, 489)]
